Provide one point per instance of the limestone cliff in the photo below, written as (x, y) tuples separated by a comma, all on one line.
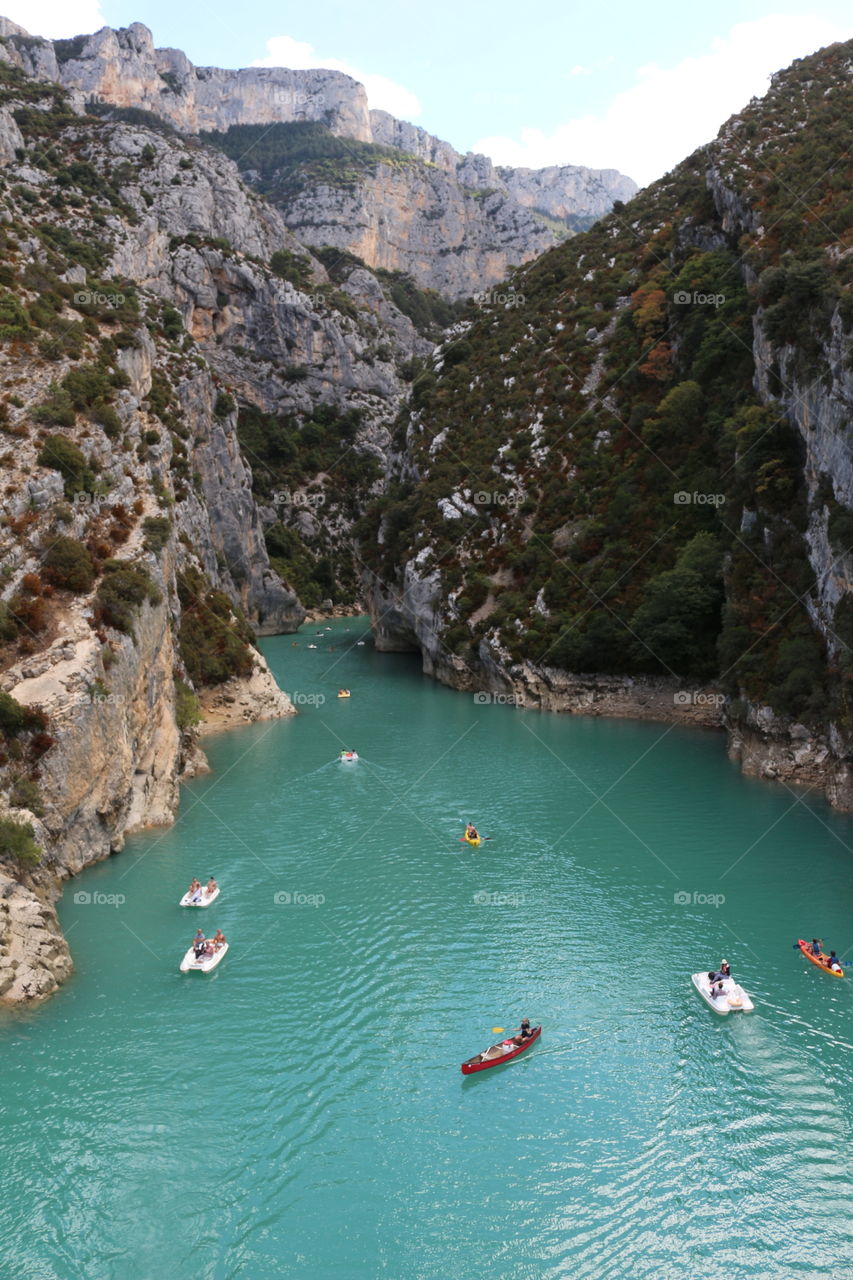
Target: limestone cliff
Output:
[(454, 223), (123, 67)]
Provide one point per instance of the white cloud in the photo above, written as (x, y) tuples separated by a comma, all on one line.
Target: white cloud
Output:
[(669, 112), (382, 93), (55, 19)]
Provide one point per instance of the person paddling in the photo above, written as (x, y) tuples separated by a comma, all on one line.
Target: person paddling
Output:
[(198, 943), (471, 832), (523, 1032)]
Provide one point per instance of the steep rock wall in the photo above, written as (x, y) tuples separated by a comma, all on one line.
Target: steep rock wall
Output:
[(456, 223)]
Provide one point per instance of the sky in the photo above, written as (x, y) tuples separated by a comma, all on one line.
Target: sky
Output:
[(618, 85)]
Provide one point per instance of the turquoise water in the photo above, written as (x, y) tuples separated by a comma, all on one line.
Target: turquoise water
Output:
[(300, 1111)]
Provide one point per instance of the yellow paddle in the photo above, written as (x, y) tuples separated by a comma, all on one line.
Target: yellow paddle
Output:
[(496, 1029)]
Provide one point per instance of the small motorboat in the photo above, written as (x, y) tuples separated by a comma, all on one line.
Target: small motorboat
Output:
[(822, 960), (347, 757), (205, 963), (204, 901), (497, 1053), (732, 998), (312, 646), (344, 693)]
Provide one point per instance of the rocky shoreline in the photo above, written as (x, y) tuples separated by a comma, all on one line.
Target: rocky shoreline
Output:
[(763, 744)]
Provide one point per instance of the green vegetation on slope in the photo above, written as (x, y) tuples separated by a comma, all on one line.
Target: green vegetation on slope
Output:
[(309, 466), (289, 157), (627, 504)]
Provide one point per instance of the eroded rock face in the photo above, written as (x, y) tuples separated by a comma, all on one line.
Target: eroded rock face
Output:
[(34, 956), (424, 222), (124, 68), (567, 190), (11, 137), (456, 223), (246, 701)]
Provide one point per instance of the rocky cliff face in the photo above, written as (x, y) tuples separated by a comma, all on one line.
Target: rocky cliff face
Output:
[(422, 221), (131, 542), (201, 241), (123, 68), (455, 223), (665, 488)]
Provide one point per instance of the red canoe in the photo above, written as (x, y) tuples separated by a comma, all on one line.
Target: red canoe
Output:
[(500, 1053), (822, 961)]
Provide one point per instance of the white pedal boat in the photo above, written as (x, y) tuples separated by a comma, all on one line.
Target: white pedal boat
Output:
[(206, 898), (347, 757), (206, 963), (732, 999)]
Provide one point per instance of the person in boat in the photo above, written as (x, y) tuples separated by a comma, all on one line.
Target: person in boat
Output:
[(816, 947), (724, 971), (471, 832), (212, 886), (195, 890), (199, 943), (523, 1032), (833, 962), (218, 940), (715, 983)]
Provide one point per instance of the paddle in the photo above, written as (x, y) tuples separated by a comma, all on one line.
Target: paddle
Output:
[(462, 839)]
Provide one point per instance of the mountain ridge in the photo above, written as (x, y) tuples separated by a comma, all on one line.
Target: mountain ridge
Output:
[(417, 219)]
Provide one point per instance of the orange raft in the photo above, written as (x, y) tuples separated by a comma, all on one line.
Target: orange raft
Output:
[(822, 961)]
